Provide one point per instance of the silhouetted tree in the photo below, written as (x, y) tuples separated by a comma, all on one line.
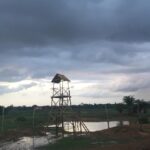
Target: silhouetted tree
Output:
[(1, 108), (129, 101), (141, 106), (120, 107)]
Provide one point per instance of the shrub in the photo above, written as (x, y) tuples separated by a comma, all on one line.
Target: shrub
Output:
[(143, 120), (21, 119)]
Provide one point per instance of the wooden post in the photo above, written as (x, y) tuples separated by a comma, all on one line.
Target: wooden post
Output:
[(107, 117), (3, 114)]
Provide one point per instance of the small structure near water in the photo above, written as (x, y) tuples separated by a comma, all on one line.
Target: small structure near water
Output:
[(62, 115)]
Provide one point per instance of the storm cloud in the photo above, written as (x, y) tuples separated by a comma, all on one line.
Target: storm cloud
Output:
[(37, 23), (85, 39)]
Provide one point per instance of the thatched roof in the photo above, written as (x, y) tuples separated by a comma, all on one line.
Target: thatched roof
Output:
[(59, 77)]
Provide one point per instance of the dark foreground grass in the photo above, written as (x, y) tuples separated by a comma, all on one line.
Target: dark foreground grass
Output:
[(69, 143), (80, 143)]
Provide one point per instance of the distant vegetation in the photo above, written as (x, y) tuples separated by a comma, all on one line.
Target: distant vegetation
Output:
[(130, 109)]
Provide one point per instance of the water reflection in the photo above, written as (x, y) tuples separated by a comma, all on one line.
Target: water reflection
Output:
[(26, 143), (98, 126)]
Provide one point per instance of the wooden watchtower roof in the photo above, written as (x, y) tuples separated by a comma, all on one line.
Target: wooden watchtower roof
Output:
[(59, 77)]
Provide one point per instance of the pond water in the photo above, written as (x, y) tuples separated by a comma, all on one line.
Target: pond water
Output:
[(27, 143), (98, 126)]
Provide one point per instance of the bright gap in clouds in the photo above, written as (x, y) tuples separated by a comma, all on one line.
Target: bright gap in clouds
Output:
[(30, 92)]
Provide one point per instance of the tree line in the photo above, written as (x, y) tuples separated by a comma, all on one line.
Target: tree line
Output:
[(132, 105), (129, 105)]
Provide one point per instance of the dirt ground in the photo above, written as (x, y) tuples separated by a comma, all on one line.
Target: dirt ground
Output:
[(125, 138)]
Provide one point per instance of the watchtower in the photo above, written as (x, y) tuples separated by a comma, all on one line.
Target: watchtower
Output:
[(62, 115)]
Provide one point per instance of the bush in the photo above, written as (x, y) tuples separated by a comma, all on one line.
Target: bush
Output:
[(143, 120), (21, 119)]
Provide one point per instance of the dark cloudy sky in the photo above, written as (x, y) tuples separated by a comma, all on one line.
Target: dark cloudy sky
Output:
[(103, 46)]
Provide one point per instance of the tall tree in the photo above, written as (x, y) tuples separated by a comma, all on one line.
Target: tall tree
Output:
[(129, 101), (120, 107), (141, 106)]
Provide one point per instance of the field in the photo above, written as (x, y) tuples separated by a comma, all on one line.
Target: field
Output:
[(18, 119), (28, 121)]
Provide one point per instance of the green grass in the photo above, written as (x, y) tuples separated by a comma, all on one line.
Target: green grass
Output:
[(69, 143), (80, 143), (11, 120)]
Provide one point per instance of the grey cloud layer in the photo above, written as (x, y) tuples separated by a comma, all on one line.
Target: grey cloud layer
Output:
[(135, 84), (41, 37), (36, 22)]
